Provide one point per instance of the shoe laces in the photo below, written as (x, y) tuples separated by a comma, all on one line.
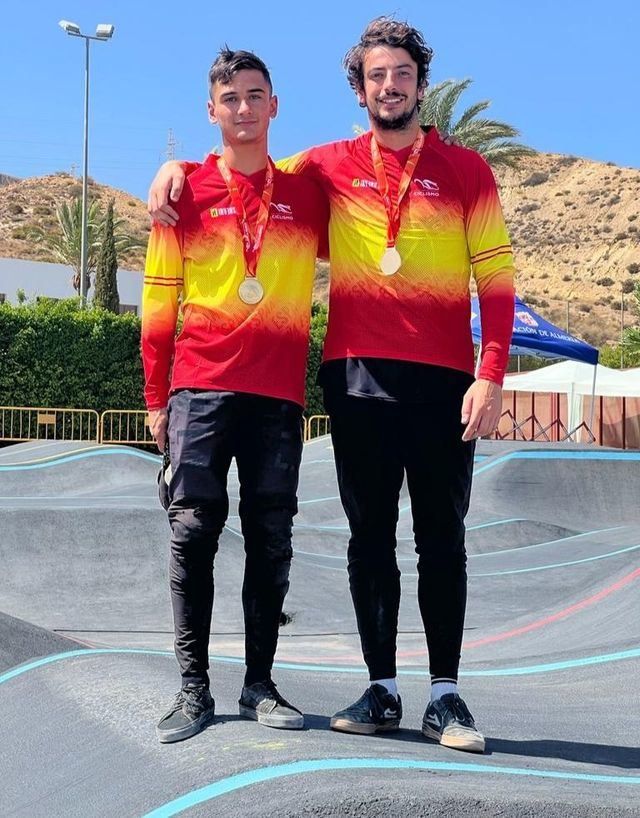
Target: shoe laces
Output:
[(459, 710), (192, 695), (273, 690), (177, 703)]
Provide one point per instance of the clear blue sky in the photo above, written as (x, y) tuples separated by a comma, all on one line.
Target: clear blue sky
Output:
[(566, 73)]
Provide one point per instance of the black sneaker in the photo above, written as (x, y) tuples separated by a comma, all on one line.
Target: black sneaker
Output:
[(448, 721), (192, 710), (376, 711), (262, 703)]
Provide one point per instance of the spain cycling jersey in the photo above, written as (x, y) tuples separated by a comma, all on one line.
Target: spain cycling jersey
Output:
[(451, 226), (197, 268)]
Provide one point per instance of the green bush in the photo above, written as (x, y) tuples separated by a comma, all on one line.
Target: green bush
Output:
[(315, 405), (54, 354), (611, 356)]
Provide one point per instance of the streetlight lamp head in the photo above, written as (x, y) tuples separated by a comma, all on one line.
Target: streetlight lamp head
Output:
[(70, 28), (105, 31)]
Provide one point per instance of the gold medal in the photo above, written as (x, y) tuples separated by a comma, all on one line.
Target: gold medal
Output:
[(390, 262), (251, 291)]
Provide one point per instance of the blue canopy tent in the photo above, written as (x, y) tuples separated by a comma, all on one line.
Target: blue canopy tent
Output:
[(534, 335)]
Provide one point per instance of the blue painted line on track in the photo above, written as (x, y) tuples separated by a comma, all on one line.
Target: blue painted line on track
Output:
[(303, 527), (541, 454), (492, 573), (63, 459), (561, 454), (233, 531), (557, 564), (473, 556), (567, 664), (72, 654), (549, 542), (496, 522), (271, 773), (532, 455)]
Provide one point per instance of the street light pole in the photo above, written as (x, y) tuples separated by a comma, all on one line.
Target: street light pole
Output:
[(85, 173), (103, 32)]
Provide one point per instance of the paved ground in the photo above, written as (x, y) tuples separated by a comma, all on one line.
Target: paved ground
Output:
[(550, 663)]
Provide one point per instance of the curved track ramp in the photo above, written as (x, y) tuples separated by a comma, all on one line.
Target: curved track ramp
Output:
[(550, 664)]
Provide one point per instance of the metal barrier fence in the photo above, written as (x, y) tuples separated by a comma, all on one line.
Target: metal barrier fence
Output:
[(316, 425), (129, 426), (125, 426), (22, 423)]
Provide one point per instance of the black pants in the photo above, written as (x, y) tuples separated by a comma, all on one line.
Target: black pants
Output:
[(375, 442), (206, 430)]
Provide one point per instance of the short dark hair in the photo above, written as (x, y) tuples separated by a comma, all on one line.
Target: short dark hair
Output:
[(393, 33), (228, 63)]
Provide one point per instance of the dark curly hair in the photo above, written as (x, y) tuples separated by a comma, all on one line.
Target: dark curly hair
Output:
[(393, 33), (228, 63)]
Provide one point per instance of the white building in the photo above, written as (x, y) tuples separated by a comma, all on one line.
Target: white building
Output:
[(38, 278)]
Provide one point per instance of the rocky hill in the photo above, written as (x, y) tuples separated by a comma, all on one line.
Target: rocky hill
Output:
[(27, 202), (575, 226)]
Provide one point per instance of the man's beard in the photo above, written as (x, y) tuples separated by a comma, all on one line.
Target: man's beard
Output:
[(399, 123)]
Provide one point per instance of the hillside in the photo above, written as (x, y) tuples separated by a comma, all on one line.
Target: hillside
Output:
[(26, 202), (575, 226)]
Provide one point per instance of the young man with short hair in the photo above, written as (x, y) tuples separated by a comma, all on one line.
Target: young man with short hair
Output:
[(239, 266), (410, 220)]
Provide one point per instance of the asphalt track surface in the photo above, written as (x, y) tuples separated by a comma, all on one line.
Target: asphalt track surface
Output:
[(550, 663)]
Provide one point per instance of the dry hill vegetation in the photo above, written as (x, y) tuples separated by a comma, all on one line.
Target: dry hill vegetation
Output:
[(575, 226), (27, 202)]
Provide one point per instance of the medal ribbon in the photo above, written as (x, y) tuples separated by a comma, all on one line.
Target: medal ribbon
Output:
[(251, 241), (393, 208)]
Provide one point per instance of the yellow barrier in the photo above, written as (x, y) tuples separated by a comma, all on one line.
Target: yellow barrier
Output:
[(22, 423), (125, 426), (316, 425)]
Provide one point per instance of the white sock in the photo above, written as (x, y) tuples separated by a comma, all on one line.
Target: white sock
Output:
[(442, 687), (390, 684)]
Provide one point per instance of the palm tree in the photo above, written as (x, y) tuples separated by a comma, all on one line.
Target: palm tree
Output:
[(491, 138), (64, 243)]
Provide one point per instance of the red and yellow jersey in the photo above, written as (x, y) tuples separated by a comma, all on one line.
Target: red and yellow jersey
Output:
[(196, 268), (451, 226)]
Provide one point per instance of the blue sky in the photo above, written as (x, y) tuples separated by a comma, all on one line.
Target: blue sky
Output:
[(565, 73)]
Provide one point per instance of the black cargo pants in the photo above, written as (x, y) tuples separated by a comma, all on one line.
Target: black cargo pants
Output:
[(206, 430)]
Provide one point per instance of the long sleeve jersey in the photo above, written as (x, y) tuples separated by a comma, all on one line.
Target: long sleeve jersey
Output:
[(195, 269), (451, 227)]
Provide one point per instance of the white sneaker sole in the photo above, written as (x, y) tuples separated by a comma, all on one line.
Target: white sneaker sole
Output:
[(181, 733), (472, 743), (271, 720), (363, 729)]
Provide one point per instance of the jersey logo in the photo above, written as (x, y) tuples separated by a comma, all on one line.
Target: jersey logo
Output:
[(364, 183), (216, 212), (427, 187), (282, 212)]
